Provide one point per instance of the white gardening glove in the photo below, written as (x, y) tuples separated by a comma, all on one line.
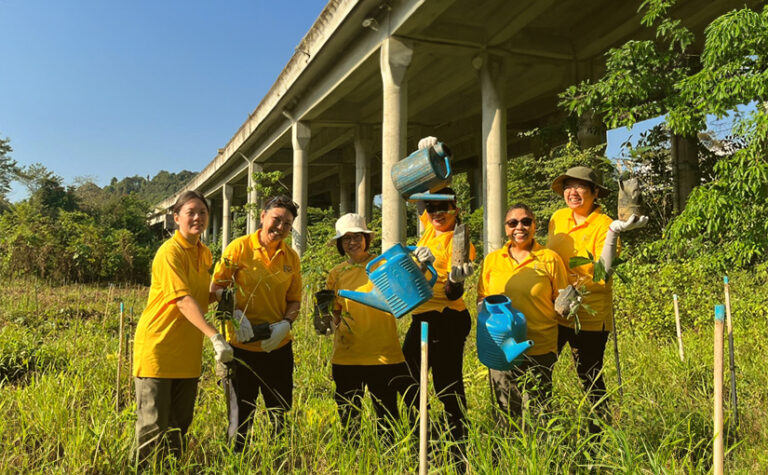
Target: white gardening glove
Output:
[(221, 349), (424, 255), (244, 330), (459, 273), (427, 142), (219, 293), (279, 331), (634, 222)]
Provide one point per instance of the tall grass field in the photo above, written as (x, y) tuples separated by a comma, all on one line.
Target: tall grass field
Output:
[(58, 414)]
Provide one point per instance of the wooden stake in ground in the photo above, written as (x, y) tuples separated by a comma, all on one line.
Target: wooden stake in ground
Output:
[(119, 357), (423, 416), (732, 364), (616, 352), (679, 330), (717, 418), (106, 307)]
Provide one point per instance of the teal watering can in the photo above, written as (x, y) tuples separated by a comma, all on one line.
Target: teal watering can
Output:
[(501, 334), (423, 171), (398, 284)]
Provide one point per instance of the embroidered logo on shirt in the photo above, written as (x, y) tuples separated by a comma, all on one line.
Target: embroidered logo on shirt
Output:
[(287, 268)]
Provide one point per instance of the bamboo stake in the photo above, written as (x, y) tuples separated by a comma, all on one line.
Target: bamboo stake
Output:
[(732, 364), (119, 358), (129, 350), (423, 416), (616, 352), (717, 418), (679, 329)]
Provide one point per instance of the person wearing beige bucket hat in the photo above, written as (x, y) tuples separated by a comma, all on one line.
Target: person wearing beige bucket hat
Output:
[(582, 229), (366, 348)]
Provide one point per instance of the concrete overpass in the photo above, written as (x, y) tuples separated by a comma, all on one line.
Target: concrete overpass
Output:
[(373, 76)]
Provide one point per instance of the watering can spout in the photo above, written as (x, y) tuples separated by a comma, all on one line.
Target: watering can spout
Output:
[(371, 299), (513, 349)]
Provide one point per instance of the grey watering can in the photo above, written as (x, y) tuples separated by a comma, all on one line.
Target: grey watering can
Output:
[(422, 172)]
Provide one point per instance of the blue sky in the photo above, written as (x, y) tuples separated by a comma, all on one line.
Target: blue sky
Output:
[(103, 88)]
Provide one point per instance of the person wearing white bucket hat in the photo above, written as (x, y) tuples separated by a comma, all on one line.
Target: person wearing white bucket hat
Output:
[(366, 349)]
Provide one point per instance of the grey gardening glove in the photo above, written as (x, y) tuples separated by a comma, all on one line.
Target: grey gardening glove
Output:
[(222, 351), (459, 273), (424, 255), (279, 331), (427, 142), (244, 330), (567, 300)]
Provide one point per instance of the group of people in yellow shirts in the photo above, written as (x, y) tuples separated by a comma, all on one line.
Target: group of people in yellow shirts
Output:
[(265, 273)]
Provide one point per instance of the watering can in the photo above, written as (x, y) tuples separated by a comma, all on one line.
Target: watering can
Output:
[(501, 334), (422, 172), (398, 284)]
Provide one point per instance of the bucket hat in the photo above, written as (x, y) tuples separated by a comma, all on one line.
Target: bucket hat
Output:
[(580, 173), (350, 223)]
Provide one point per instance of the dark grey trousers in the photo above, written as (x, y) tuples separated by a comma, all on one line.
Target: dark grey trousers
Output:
[(531, 381), (164, 409)]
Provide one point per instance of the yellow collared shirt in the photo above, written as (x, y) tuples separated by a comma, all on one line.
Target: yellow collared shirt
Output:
[(442, 248), (166, 344), (265, 285), (532, 286), (569, 240), (366, 336)]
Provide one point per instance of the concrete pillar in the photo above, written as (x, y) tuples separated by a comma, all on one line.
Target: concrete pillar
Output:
[(591, 131), (207, 231), (300, 135), (363, 153), (226, 221), (494, 135), (395, 57), (215, 226), (253, 199), (335, 199)]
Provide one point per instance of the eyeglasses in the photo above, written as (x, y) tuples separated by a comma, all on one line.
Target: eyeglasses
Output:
[(352, 237), (577, 185), (445, 207), (512, 223)]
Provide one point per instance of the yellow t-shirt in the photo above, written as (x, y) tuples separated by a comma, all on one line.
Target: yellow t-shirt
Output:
[(365, 336), (442, 248), (532, 286), (265, 285), (569, 240), (166, 344)]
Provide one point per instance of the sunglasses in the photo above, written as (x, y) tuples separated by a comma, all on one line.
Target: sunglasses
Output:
[(434, 208), (512, 223)]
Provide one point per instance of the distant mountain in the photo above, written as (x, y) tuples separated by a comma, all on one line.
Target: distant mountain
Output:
[(153, 190)]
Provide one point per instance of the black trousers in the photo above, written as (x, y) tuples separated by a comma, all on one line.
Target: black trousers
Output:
[(531, 380), (268, 374), (448, 331), (384, 382), (587, 349)]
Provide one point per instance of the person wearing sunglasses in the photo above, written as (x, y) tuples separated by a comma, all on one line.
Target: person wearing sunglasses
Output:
[(531, 276), (366, 347), (266, 275), (447, 315), (583, 229)]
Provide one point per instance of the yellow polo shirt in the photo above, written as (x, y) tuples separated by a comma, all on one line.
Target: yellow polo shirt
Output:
[(569, 240), (366, 336), (166, 344), (265, 285), (532, 286), (442, 248)]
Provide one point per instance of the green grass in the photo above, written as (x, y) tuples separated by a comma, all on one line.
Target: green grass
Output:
[(58, 358)]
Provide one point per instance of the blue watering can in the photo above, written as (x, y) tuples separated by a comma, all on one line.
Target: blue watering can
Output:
[(398, 284), (424, 171), (501, 334)]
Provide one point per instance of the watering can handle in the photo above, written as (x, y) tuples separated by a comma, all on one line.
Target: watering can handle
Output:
[(430, 268), (373, 261)]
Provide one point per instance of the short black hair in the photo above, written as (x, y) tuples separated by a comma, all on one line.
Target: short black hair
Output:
[(187, 196), (283, 201), (522, 206), (366, 236)]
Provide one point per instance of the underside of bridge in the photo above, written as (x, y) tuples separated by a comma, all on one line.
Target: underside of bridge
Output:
[(371, 77)]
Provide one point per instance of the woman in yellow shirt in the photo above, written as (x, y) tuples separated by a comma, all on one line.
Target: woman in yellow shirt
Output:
[(531, 276), (366, 348), (168, 345), (267, 276), (577, 230)]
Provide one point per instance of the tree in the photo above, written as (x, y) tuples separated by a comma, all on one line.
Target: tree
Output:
[(8, 171)]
